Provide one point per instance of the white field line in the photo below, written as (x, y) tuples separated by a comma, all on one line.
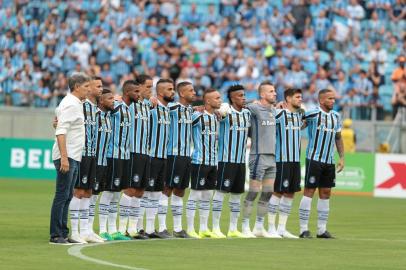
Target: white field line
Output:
[(76, 250)]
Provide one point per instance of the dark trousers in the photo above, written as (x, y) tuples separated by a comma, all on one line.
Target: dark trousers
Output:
[(63, 195)]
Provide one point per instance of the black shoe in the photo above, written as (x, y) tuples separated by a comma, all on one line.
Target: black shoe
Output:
[(181, 234), (325, 235), (165, 234), (139, 236), (306, 234), (152, 235), (59, 241)]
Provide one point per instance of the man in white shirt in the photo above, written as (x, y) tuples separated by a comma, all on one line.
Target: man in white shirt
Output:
[(67, 154)]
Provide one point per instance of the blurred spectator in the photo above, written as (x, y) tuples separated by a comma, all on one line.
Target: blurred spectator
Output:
[(349, 137), (306, 43)]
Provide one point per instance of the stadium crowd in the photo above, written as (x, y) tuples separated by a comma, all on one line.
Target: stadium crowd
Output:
[(355, 47)]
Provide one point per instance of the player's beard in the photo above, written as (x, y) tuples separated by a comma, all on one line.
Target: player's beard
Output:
[(169, 99)]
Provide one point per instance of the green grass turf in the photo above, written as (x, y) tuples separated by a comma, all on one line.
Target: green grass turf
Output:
[(371, 235)]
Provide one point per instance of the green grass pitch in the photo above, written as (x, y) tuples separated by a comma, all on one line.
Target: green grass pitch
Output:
[(371, 234)]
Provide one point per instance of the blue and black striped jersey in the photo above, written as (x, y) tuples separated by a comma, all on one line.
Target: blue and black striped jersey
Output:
[(322, 128), (180, 135), (205, 141), (104, 130), (89, 111), (288, 136), (159, 131), (140, 112), (233, 136), (119, 147)]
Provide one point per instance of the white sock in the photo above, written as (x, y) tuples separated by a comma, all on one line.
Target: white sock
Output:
[(177, 210), (304, 213), (74, 207), (245, 224), (92, 210), (217, 203), (151, 211), (134, 215), (272, 211), (143, 204), (235, 208), (204, 209), (125, 203), (194, 196), (112, 220), (104, 208), (323, 209), (285, 207), (162, 211), (84, 216)]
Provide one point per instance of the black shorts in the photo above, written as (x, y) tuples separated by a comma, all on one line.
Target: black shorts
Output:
[(101, 180), (203, 177), (118, 171), (319, 174), (287, 177), (178, 172), (231, 177), (157, 174), (87, 173), (139, 171)]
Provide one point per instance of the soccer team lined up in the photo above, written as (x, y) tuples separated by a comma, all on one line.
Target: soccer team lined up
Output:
[(142, 151)]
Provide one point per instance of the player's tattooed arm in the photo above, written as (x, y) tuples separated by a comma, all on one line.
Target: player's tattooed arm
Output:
[(340, 150)]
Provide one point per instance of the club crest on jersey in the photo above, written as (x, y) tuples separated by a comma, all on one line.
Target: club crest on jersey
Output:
[(117, 182), (312, 180), (202, 181), (227, 182), (151, 182), (176, 179), (96, 186), (84, 179), (286, 183), (136, 178)]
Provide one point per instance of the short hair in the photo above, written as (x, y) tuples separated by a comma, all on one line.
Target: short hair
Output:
[(142, 78), (324, 91), (96, 78), (164, 81), (128, 83), (181, 85), (290, 92), (77, 79), (106, 91), (208, 91), (264, 83), (233, 88)]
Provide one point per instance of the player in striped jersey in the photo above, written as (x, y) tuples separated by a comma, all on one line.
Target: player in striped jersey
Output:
[(158, 141), (82, 196), (103, 133), (179, 158), (324, 130), (234, 124), (118, 156), (204, 163), (140, 160), (288, 128)]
